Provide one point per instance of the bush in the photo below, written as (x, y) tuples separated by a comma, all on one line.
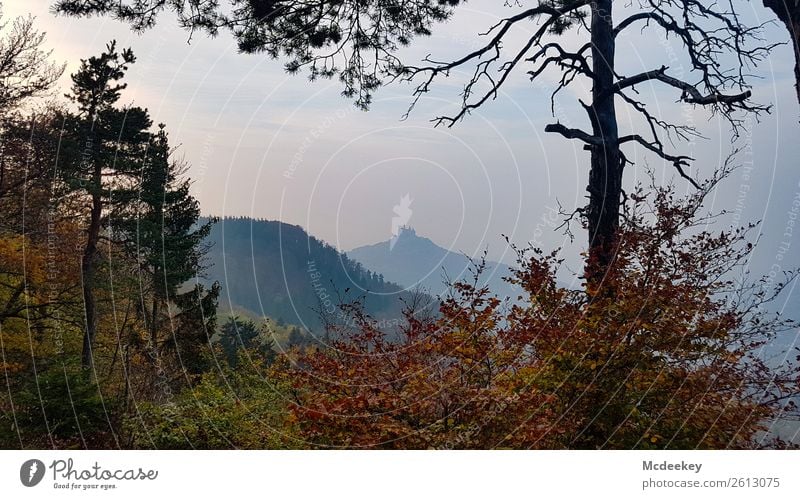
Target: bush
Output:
[(61, 406), (664, 354), (226, 409)]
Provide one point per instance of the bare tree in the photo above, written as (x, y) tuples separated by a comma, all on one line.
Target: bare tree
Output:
[(357, 40), (26, 69), (788, 12), (707, 34)]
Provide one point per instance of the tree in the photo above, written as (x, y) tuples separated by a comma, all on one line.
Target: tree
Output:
[(157, 219), (707, 34), (671, 358), (296, 339), (238, 335), (27, 139), (107, 144), (358, 40), (39, 279), (25, 68), (788, 12), (195, 324), (352, 40), (46, 420), (228, 408), (28, 146)]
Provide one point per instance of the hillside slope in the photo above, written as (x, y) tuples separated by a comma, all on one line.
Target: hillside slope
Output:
[(278, 270)]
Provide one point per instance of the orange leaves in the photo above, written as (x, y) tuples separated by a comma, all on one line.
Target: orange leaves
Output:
[(665, 356)]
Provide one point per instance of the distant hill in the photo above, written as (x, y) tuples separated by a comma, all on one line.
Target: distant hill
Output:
[(278, 270), (411, 260)]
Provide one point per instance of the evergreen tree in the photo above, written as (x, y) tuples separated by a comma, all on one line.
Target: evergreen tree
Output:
[(194, 324), (358, 41), (105, 144), (158, 222), (238, 334)]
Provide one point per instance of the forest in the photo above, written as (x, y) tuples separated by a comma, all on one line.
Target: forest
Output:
[(131, 319)]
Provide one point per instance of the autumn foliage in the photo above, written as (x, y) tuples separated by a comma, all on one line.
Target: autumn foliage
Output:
[(666, 354), (108, 339)]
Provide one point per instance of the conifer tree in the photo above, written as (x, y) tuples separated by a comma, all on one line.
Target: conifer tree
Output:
[(105, 144), (159, 224)]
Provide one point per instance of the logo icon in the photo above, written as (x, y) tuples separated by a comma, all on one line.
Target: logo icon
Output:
[(31, 472), (402, 213)]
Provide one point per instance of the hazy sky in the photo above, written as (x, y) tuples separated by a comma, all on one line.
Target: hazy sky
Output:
[(265, 144)]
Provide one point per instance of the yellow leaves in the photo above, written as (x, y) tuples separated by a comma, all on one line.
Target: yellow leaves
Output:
[(12, 256), (653, 439), (24, 265)]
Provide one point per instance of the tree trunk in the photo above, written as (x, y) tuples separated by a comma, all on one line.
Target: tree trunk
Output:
[(788, 11), (154, 318), (88, 267), (605, 175), (795, 31)]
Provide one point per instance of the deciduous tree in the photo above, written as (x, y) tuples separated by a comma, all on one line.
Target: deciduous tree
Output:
[(788, 12), (26, 68), (671, 357), (358, 41)]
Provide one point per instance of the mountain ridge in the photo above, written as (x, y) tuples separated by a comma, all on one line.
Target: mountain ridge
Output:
[(278, 270), (411, 261)]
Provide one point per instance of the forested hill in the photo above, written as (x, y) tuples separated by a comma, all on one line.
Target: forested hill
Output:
[(278, 270)]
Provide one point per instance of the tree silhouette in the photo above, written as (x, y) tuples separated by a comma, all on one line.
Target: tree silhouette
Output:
[(25, 67), (788, 12), (158, 220), (105, 146), (708, 34), (357, 40), (352, 40)]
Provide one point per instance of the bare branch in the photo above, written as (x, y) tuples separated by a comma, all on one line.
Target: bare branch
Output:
[(573, 133), (690, 93), (677, 161), (493, 46)]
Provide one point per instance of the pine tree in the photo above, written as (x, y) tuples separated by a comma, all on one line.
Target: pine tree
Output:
[(238, 334), (159, 224), (157, 220), (104, 147)]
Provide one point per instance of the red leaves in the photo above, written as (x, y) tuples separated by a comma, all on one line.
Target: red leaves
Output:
[(665, 356)]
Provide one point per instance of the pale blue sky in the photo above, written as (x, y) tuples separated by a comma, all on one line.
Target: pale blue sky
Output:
[(265, 144)]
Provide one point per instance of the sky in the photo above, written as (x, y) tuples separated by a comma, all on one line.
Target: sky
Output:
[(266, 144)]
